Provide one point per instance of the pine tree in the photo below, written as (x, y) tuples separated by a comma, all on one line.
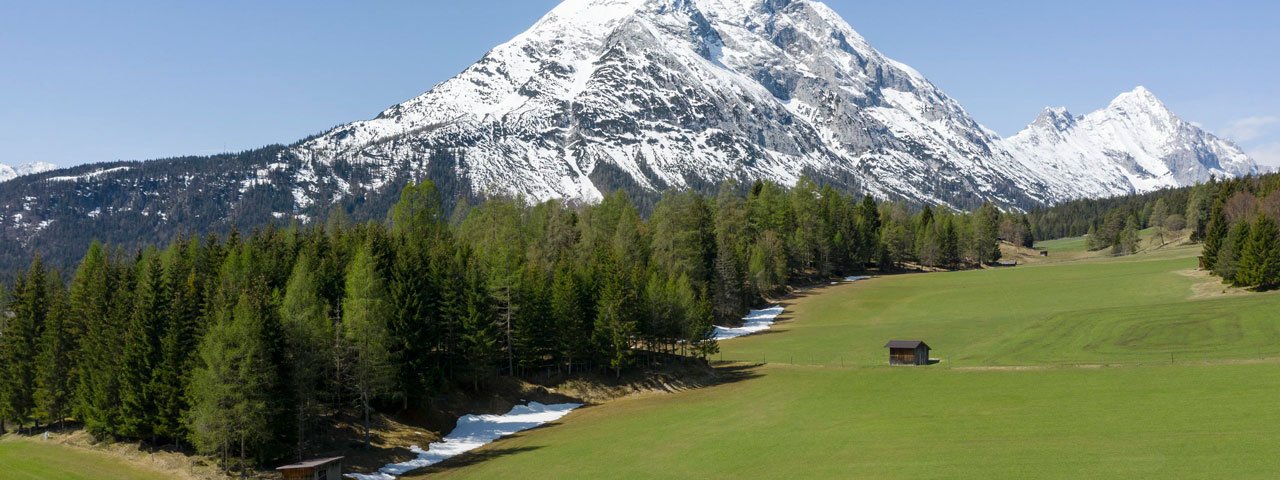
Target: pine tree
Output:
[(54, 362), (19, 344), (365, 333), (479, 341), (1215, 232), (1228, 264), (615, 324), (729, 296), (986, 238), (141, 354), (1260, 261), (95, 289), (570, 315)]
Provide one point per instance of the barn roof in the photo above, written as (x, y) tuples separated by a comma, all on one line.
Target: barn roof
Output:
[(310, 463), (905, 344)]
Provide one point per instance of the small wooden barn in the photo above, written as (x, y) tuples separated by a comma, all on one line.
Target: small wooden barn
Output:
[(908, 352), (316, 469)]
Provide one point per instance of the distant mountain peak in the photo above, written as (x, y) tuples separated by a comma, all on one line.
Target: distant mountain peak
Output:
[(8, 172), (1134, 144)]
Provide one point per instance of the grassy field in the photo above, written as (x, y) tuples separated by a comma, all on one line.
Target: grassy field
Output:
[(1087, 369), (23, 459)]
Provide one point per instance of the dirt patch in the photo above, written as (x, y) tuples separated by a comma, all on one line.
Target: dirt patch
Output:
[(1209, 286)]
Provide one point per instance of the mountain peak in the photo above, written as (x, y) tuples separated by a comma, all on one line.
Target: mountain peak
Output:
[(1056, 118), (1139, 99)]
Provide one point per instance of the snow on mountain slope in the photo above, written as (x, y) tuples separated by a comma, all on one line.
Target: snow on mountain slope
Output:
[(675, 93), (1135, 144), (9, 173)]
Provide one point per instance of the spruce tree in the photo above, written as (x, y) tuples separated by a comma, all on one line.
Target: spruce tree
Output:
[(570, 315), (1228, 264), (54, 363), (1260, 262), (19, 344), (95, 289), (141, 354), (614, 323), (1215, 232)]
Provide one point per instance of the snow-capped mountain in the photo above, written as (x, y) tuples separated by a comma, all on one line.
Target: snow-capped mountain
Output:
[(652, 94), (1135, 144), (10, 173)]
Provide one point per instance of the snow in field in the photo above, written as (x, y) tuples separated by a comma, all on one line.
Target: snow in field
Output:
[(760, 320), (756, 321), (472, 432)]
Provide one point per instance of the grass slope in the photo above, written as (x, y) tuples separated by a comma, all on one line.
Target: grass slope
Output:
[(22, 459), (1049, 371)]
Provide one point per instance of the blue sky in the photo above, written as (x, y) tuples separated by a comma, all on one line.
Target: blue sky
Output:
[(96, 81)]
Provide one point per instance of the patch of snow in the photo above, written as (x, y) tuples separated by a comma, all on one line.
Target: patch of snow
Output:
[(856, 279), (756, 321), (472, 432), (89, 176)]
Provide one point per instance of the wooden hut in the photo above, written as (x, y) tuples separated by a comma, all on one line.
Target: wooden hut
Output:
[(316, 469), (908, 352)]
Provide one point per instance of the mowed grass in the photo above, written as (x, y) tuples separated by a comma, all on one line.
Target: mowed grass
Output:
[(1048, 371), (808, 422), (22, 459), (1139, 309)]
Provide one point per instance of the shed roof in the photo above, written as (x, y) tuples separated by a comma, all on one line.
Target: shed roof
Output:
[(310, 463), (905, 344)]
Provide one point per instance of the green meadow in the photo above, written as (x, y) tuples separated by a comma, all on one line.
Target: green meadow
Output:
[(1083, 369), (32, 459)]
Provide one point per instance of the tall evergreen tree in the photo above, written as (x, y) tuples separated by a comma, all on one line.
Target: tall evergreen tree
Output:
[(19, 344), (614, 323), (54, 363), (1216, 230), (141, 355), (95, 291), (1260, 261)]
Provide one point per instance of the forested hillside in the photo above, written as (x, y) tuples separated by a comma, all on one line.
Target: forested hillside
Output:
[(240, 345)]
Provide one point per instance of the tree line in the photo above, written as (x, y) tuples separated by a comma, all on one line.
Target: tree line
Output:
[(1241, 237), (245, 345)]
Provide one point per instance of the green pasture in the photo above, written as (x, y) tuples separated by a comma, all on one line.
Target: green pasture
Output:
[(1092, 369)]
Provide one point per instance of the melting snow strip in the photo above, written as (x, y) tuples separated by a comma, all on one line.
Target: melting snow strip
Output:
[(472, 432), (760, 320), (755, 322)]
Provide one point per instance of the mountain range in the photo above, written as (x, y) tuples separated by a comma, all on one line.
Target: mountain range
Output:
[(641, 95)]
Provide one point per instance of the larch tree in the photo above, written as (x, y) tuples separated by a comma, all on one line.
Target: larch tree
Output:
[(365, 333)]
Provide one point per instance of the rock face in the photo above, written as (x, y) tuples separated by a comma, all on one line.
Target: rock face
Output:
[(653, 94), (10, 173), (1133, 145)]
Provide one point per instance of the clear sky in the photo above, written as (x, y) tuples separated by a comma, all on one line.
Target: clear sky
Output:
[(91, 81)]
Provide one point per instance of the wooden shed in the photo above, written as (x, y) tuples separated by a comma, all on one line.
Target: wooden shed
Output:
[(908, 352), (316, 469)]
